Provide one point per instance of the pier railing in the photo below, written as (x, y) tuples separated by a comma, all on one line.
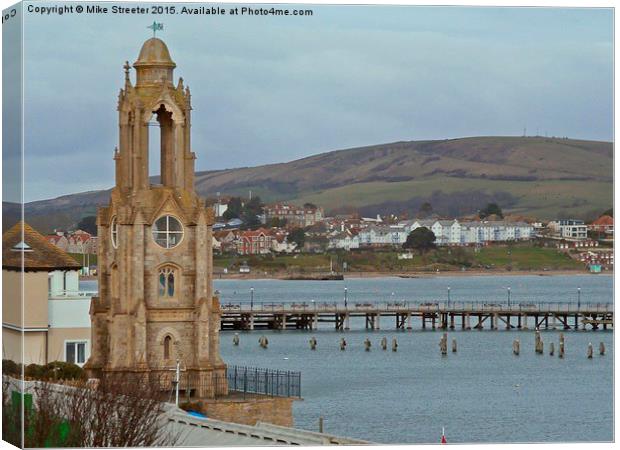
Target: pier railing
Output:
[(423, 306)]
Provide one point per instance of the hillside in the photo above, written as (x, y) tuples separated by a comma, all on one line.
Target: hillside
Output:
[(536, 176)]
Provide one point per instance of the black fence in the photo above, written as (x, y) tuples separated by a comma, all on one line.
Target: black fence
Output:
[(241, 380), (275, 383)]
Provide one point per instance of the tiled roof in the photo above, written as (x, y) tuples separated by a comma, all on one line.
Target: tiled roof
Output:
[(604, 220), (42, 255)]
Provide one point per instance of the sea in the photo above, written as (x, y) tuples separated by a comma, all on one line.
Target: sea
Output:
[(483, 393)]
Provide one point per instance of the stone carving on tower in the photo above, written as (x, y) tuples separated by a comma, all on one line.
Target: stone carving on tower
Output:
[(156, 302)]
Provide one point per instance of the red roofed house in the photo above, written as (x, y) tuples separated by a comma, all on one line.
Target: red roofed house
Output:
[(257, 242), (604, 224), (58, 240)]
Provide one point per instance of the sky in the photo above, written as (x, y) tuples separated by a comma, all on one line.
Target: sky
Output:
[(274, 89)]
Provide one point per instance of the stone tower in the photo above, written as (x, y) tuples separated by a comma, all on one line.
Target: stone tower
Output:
[(156, 302)]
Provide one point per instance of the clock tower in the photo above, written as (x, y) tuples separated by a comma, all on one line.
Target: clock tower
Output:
[(156, 302)]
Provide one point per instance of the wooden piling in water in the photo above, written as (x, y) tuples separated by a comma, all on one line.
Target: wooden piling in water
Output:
[(551, 349), (516, 347), (453, 345), (236, 339), (343, 344), (367, 344), (590, 350), (443, 344), (320, 424), (538, 345), (394, 345), (561, 350), (263, 341), (601, 348), (312, 343), (384, 343)]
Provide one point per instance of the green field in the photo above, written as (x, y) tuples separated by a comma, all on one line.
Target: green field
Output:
[(517, 257)]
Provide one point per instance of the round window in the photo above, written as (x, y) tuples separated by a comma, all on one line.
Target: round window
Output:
[(114, 232), (167, 232)]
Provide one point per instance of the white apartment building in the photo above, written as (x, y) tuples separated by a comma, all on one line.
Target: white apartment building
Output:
[(569, 229)]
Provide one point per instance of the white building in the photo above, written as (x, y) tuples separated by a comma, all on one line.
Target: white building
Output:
[(345, 240), (382, 235), (569, 229), (219, 209), (44, 316), (453, 232)]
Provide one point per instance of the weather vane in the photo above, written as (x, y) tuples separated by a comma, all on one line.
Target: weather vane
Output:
[(156, 27)]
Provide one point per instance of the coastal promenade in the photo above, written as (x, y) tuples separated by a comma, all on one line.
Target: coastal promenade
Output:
[(426, 316)]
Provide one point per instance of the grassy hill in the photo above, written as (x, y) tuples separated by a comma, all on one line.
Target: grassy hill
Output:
[(536, 176)]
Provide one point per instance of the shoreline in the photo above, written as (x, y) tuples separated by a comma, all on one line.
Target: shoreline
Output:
[(405, 275)]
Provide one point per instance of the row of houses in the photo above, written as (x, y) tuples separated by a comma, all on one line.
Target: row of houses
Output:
[(252, 242), (302, 217), (78, 241), (447, 232), (294, 216)]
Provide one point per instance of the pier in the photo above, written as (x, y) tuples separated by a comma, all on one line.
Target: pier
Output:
[(425, 316)]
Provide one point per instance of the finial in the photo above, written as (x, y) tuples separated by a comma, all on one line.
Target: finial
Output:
[(127, 80), (180, 85)]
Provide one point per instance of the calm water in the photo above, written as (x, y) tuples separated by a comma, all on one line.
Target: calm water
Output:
[(483, 393)]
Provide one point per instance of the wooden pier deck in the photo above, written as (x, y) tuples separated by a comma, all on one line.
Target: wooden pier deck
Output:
[(404, 315)]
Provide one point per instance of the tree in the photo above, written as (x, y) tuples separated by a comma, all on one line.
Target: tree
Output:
[(234, 209), (491, 209), (421, 239), (609, 212), (309, 205), (254, 206), (298, 236), (114, 411), (426, 209), (88, 224), (277, 222)]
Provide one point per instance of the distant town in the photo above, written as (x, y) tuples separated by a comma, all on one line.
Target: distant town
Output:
[(249, 235)]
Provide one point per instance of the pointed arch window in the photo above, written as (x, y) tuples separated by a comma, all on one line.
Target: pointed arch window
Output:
[(167, 231), (166, 281), (167, 346), (114, 232)]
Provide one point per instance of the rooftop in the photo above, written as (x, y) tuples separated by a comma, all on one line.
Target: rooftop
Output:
[(41, 256)]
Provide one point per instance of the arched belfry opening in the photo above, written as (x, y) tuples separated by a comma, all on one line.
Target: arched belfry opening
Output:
[(166, 142), (155, 253), (155, 124)]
